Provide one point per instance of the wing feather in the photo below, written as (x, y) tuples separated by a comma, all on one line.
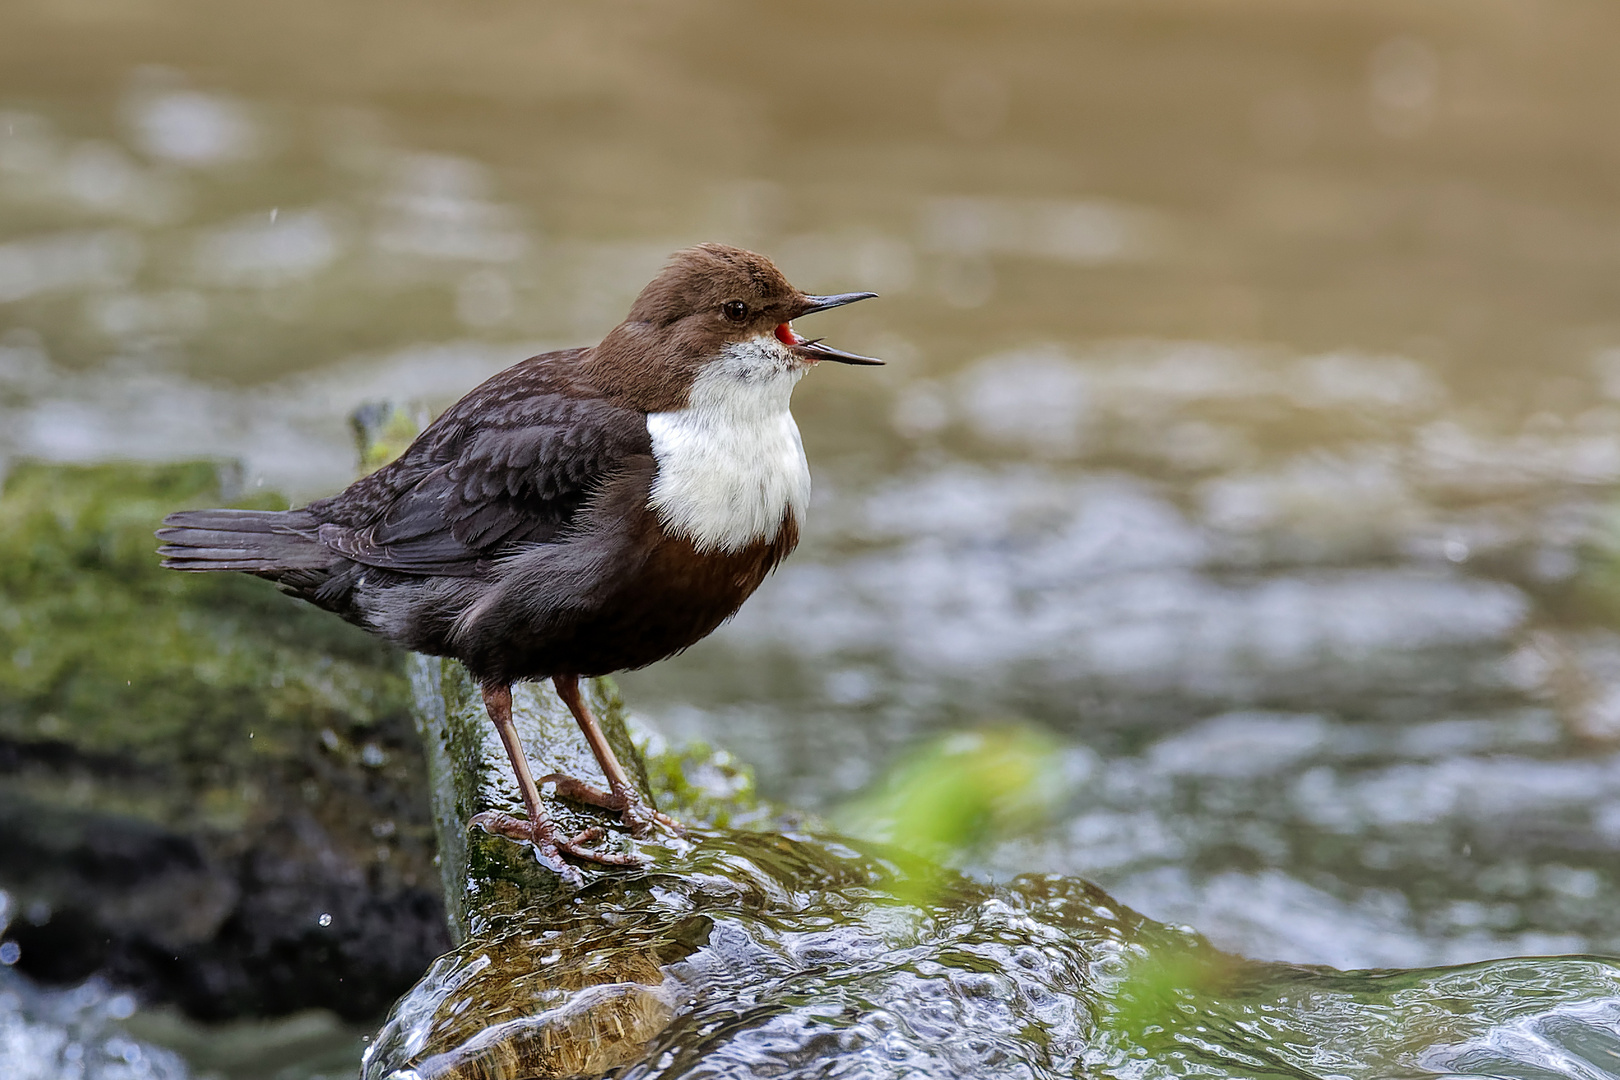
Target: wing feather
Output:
[(511, 464)]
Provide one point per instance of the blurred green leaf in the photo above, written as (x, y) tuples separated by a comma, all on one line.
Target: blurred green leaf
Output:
[(963, 791)]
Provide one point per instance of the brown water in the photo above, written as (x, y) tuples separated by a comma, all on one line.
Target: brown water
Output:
[(1252, 422)]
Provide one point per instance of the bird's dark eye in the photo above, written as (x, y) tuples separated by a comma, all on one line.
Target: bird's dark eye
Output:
[(735, 310)]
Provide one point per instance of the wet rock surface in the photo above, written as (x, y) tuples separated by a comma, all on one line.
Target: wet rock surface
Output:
[(747, 954), (762, 951), (469, 773), (207, 792)]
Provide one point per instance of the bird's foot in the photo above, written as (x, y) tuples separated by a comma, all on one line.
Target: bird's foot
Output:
[(630, 807), (551, 845)]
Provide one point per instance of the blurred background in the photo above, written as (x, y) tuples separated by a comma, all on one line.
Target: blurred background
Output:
[(1249, 441)]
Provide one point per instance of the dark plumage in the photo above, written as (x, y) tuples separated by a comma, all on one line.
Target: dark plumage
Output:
[(582, 512)]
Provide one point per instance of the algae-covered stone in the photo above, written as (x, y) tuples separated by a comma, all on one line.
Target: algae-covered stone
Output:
[(110, 652), (195, 769)]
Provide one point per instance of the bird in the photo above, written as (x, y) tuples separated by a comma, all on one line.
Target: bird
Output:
[(583, 512)]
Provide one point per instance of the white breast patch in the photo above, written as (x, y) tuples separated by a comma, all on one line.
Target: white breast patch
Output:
[(731, 464)]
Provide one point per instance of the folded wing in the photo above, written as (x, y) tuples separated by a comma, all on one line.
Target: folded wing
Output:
[(489, 476)]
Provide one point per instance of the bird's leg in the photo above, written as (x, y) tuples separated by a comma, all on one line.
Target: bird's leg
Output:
[(538, 829), (621, 794)]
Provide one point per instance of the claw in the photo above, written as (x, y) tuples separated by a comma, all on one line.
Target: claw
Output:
[(543, 837), (497, 823), (668, 824), (550, 845), (630, 807), (646, 818)]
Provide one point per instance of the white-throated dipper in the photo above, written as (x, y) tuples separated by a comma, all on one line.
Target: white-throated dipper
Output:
[(582, 512)]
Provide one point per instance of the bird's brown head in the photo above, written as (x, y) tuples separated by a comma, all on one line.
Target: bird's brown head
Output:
[(712, 308)]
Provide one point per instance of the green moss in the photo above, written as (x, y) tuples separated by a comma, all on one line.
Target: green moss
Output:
[(468, 773), (696, 783), (250, 755), (105, 651)]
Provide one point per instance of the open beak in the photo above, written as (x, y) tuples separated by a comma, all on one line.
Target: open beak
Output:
[(814, 350)]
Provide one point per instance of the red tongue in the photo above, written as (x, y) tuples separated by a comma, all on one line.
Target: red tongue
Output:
[(785, 334)]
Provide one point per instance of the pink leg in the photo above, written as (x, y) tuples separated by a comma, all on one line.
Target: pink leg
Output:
[(621, 794), (538, 829)]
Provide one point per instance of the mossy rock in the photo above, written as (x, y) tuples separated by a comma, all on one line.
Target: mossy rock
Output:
[(194, 768), (107, 651), (469, 773)]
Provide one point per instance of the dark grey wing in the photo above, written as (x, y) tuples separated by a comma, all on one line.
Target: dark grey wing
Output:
[(482, 481)]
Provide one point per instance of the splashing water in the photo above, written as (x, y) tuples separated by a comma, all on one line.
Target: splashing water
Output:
[(756, 955)]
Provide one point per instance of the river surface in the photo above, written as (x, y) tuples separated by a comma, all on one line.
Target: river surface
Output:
[(1251, 429)]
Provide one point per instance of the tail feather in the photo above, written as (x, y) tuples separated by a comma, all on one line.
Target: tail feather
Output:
[(255, 541)]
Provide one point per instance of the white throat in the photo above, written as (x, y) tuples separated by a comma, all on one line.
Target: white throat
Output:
[(731, 465)]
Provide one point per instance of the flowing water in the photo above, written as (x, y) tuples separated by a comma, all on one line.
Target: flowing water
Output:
[(791, 957), (1251, 431)]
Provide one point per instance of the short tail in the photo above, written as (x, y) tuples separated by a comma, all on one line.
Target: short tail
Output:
[(266, 542)]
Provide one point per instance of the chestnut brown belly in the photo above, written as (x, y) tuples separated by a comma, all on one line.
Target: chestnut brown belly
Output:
[(673, 598), (678, 599)]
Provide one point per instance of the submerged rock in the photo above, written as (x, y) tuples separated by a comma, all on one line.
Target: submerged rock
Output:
[(743, 954), (208, 792)]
